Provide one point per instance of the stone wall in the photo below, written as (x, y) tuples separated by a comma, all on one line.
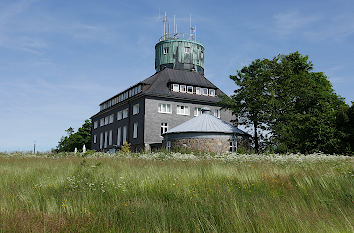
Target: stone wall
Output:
[(217, 145)]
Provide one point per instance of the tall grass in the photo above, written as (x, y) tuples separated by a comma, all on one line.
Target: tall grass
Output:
[(176, 193)]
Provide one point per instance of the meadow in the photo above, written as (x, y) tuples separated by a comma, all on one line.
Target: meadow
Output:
[(173, 192)]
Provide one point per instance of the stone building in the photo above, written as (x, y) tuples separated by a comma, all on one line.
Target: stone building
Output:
[(205, 133), (175, 94)]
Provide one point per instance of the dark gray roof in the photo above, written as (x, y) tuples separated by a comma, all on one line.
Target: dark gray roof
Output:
[(206, 123), (159, 85)]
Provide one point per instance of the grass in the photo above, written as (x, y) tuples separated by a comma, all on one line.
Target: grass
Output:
[(176, 193)]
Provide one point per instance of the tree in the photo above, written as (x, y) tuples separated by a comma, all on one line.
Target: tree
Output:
[(76, 140), (296, 106), (251, 101)]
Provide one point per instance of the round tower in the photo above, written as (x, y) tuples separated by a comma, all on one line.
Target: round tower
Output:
[(175, 52)]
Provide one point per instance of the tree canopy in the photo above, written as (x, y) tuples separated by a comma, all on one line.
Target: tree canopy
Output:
[(296, 107), (76, 139)]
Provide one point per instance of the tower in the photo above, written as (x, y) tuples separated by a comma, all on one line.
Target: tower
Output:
[(177, 52)]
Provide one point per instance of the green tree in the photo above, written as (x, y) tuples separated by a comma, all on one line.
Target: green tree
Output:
[(251, 100), (76, 139), (297, 107), (305, 106)]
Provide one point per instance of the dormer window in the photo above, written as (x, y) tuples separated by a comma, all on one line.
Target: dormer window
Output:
[(198, 91), (165, 50), (182, 88), (211, 92), (175, 87), (205, 91), (190, 89)]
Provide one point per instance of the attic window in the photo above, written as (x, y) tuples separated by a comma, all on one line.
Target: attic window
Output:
[(175, 87), (198, 91), (165, 50), (211, 92), (205, 91), (182, 88), (190, 89)]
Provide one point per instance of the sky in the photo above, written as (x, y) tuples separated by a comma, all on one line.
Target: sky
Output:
[(60, 59)]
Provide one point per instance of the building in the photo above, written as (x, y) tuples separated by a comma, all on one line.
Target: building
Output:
[(174, 94), (206, 133)]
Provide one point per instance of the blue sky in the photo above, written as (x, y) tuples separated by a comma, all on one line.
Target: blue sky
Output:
[(60, 59)]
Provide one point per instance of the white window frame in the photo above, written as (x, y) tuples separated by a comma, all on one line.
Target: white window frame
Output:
[(125, 134), (162, 108), (101, 140), (110, 137), (175, 87), (168, 145), (111, 118), (106, 120), (105, 139), (182, 88), (135, 109), (217, 113), (197, 111), (135, 130), (183, 110), (187, 50), (190, 92), (212, 92), (203, 89), (95, 124), (198, 91), (125, 113), (94, 138), (164, 128), (119, 115), (102, 122), (119, 136)]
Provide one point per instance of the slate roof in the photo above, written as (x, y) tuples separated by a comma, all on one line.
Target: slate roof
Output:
[(206, 123), (158, 85)]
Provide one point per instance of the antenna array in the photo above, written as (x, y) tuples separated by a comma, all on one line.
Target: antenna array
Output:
[(176, 35)]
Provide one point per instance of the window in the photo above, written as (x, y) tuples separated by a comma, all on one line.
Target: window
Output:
[(164, 128), (95, 124), (182, 88), (125, 113), (217, 113), (101, 140), (187, 50), (119, 115), (105, 139), (190, 89), (119, 136), (198, 91), (111, 118), (135, 109), (233, 146), (135, 130), (175, 87), (202, 54), (168, 145), (110, 138), (106, 120), (94, 138), (102, 122), (197, 111), (182, 110), (165, 50), (139, 89), (211, 92), (205, 91), (165, 108), (124, 134)]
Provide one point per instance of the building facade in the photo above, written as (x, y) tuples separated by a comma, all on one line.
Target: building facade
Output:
[(174, 94)]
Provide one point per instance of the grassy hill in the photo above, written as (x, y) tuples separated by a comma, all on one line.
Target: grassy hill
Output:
[(174, 192)]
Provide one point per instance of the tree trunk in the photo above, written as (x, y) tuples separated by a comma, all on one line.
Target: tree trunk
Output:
[(255, 138)]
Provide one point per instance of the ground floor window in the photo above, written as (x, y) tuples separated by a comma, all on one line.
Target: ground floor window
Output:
[(135, 130), (94, 138), (168, 145), (233, 146)]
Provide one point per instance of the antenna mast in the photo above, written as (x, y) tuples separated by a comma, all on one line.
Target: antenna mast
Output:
[(164, 26)]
